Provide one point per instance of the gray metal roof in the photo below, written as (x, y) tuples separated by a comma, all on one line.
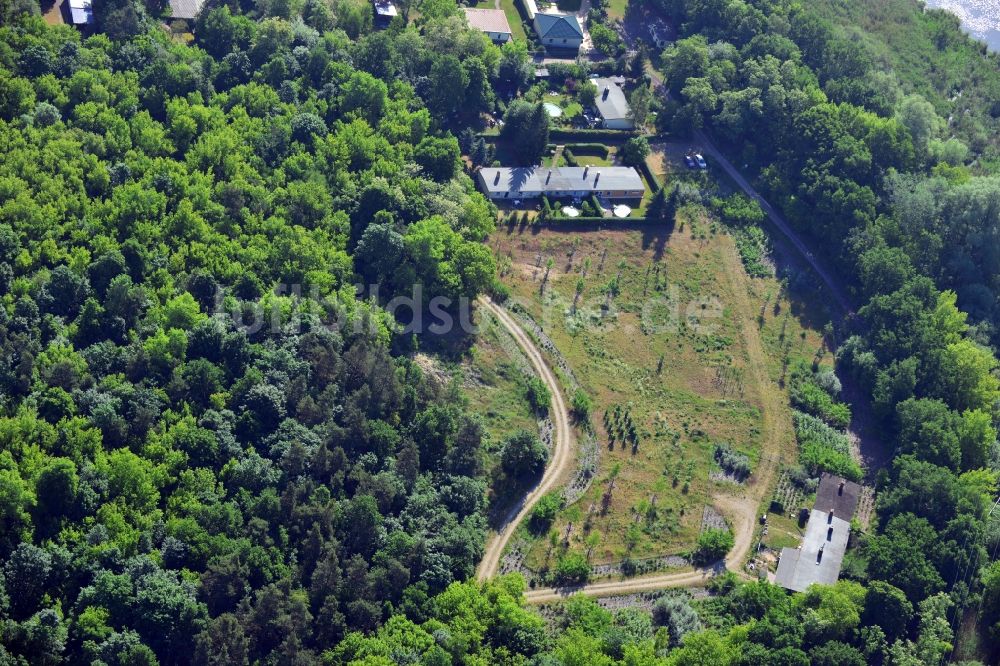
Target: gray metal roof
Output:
[(560, 179), (610, 102), (558, 26), (800, 568), (487, 20), (185, 9)]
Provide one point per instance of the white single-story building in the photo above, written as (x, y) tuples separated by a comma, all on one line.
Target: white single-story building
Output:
[(612, 105), (819, 558), (532, 182), (385, 11), (492, 22), (561, 31), (81, 12)]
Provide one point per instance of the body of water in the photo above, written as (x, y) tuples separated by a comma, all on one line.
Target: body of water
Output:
[(980, 18)]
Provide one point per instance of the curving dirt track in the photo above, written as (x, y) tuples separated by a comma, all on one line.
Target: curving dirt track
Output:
[(560, 461), (778, 221)]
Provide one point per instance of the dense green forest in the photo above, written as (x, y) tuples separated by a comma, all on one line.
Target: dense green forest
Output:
[(173, 481), (177, 486)]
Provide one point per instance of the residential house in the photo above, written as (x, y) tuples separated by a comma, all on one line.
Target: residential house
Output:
[(819, 558), (185, 9), (612, 105), (492, 22), (556, 182), (559, 31)]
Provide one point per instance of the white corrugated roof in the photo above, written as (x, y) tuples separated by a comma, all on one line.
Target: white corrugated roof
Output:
[(185, 9), (800, 568), (81, 12)]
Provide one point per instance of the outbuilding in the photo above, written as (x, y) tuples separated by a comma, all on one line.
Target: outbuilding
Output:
[(81, 12), (185, 9)]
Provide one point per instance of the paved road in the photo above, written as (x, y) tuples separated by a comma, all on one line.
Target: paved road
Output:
[(560, 461), (779, 222)]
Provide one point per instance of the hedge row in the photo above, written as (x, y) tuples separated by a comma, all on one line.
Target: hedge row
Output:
[(595, 220), (585, 135), (650, 177), (589, 148)]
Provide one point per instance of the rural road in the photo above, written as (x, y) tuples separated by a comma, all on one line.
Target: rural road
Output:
[(560, 460), (779, 222)]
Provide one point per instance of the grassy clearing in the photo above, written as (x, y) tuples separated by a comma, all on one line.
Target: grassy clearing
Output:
[(495, 386), (680, 412), (664, 284), (514, 19), (617, 9)]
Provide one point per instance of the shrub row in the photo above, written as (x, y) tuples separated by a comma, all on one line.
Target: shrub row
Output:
[(598, 149), (585, 135)]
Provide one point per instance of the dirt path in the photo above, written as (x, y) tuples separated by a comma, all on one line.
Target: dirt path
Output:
[(779, 222), (740, 510), (560, 461)]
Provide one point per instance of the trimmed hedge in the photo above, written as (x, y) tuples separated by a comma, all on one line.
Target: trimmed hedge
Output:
[(650, 177), (590, 148), (594, 220), (585, 135)]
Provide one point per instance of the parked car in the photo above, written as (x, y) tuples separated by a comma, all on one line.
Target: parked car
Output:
[(689, 161), (700, 161)]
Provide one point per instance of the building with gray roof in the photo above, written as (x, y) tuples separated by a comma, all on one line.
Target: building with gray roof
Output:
[(838, 495), (612, 104), (185, 9), (577, 182), (81, 12), (819, 558), (385, 11), (562, 31)]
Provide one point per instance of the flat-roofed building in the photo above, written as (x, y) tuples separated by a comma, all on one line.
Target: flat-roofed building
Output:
[(820, 556), (81, 12), (578, 182), (385, 11), (491, 22)]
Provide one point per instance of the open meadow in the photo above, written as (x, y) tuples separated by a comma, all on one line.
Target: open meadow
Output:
[(654, 323)]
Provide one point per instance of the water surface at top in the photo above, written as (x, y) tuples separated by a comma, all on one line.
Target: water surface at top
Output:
[(980, 18)]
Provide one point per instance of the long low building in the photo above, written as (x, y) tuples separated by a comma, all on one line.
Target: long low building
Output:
[(534, 182), (819, 558)]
